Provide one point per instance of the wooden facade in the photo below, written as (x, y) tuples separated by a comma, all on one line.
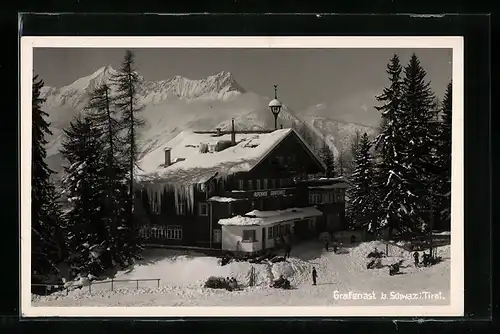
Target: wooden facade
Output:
[(278, 182)]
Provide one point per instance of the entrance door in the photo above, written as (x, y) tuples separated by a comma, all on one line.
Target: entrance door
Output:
[(302, 229), (263, 238)]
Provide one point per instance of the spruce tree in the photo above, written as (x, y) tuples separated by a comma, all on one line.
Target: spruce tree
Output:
[(47, 241), (349, 158), (84, 181), (103, 118), (341, 164), (328, 159), (361, 193), (390, 144), (126, 102), (445, 155), (420, 128)]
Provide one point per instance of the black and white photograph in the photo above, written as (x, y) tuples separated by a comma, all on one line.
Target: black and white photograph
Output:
[(263, 176)]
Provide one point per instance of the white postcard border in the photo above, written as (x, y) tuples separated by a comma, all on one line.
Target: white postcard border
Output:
[(457, 230)]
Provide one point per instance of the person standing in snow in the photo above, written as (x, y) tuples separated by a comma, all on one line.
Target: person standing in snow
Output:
[(327, 244), (314, 275), (335, 246), (415, 258)]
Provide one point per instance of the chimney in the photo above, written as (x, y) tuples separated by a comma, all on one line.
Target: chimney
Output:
[(168, 161), (219, 133), (233, 133)]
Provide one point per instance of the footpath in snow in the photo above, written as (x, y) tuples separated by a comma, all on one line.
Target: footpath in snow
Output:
[(182, 275)]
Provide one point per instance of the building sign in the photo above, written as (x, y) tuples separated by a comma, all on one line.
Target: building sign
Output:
[(269, 193)]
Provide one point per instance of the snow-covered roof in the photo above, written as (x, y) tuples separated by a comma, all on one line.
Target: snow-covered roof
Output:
[(190, 165), (275, 103), (263, 218)]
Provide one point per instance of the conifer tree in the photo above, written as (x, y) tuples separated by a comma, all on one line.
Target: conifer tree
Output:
[(102, 116), (390, 144), (361, 193), (445, 155), (349, 158), (421, 130), (326, 155), (48, 247), (341, 164), (126, 102), (82, 148)]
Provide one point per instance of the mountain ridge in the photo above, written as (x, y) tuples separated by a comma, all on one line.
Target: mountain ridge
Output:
[(176, 104)]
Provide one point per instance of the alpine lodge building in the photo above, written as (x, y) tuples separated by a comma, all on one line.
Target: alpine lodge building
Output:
[(240, 191)]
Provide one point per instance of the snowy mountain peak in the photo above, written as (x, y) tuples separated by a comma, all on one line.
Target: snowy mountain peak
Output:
[(220, 86), (90, 82)]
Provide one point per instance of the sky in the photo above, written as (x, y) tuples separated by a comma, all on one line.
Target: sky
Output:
[(340, 78)]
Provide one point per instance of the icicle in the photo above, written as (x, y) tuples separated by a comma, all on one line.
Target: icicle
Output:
[(191, 198)]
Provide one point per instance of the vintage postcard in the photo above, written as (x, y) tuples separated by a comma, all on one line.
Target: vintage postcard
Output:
[(242, 176)]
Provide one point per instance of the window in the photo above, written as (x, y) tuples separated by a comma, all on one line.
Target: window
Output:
[(273, 183), (280, 160), (181, 208), (270, 234), (241, 185), (230, 209), (249, 236), (288, 229), (314, 198), (257, 186), (203, 209), (174, 232), (265, 184), (328, 197), (250, 184), (276, 231), (217, 236)]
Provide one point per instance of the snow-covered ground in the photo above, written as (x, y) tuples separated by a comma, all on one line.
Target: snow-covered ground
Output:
[(182, 275)]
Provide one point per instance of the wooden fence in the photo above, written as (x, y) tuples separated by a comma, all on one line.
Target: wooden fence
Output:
[(112, 281)]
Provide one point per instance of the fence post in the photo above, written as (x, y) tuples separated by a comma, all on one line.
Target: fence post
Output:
[(90, 287), (137, 281), (112, 284), (387, 249), (158, 283)]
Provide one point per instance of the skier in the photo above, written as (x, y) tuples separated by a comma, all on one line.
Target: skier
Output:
[(327, 244), (314, 275), (415, 258)]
